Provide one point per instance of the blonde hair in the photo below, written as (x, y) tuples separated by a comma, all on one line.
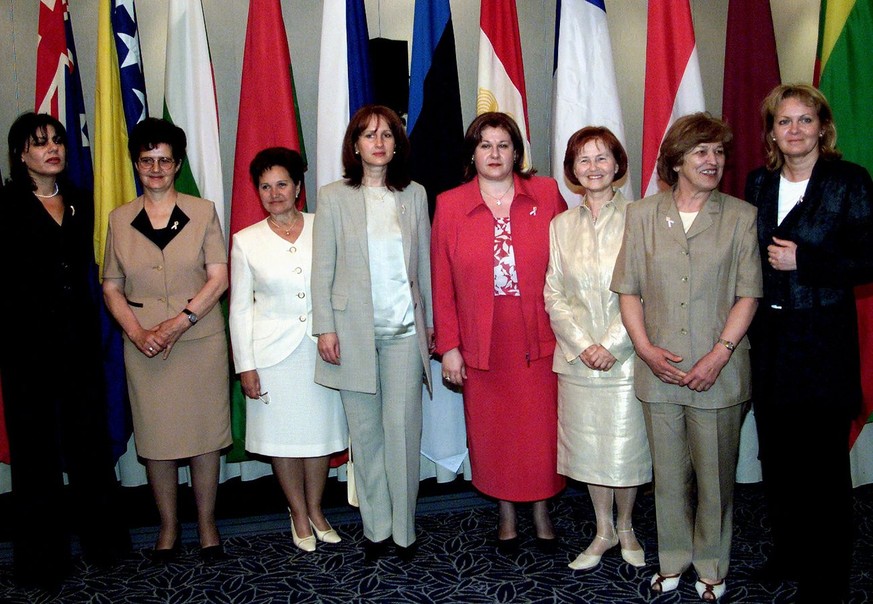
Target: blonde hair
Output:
[(811, 97)]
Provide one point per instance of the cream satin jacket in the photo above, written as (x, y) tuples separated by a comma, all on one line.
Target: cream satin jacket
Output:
[(582, 309)]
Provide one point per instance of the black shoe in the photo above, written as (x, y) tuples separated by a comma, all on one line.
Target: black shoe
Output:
[(406, 554), (773, 571), (163, 556), (508, 546), (213, 553), (373, 550), (547, 546)]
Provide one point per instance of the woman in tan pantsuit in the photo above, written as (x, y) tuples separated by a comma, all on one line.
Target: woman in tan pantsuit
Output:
[(689, 275), (601, 431), (371, 306), (165, 269)]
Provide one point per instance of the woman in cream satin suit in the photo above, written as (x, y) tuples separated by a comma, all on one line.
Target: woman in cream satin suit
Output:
[(371, 307), (601, 431)]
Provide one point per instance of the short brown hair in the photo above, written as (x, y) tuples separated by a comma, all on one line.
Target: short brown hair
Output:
[(282, 157), (397, 176), (811, 97), (584, 136), (494, 119), (686, 133)]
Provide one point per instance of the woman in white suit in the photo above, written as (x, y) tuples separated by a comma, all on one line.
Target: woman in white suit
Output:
[(372, 310), (289, 418)]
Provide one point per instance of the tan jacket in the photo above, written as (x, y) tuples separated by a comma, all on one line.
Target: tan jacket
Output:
[(688, 284), (159, 283)]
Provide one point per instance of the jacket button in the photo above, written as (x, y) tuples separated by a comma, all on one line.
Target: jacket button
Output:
[(298, 270), (302, 318), (292, 249), (301, 294)]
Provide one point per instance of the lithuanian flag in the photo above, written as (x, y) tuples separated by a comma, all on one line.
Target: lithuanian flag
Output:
[(844, 73)]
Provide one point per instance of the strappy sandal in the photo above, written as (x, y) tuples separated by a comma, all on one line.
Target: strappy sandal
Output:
[(661, 584), (710, 592)]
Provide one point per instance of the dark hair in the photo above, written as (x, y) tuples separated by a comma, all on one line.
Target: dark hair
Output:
[(282, 157), (494, 119), (26, 129), (151, 132), (397, 176), (584, 136), (686, 133), (811, 97)]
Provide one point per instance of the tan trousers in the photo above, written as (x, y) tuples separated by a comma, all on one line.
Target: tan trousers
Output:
[(694, 447)]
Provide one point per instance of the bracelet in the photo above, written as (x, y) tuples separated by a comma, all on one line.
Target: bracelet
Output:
[(727, 344)]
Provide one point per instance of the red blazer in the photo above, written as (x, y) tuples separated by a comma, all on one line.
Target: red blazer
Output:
[(462, 267)]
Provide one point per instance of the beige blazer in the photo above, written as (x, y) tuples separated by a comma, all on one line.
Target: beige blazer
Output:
[(342, 300), (688, 284), (582, 310), (270, 299), (158, 283)]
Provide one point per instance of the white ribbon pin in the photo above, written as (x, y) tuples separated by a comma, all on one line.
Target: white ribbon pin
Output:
[(670, 222), (533, 212), (175, 226)]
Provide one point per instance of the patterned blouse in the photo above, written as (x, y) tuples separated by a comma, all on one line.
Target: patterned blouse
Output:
[(505, 277)]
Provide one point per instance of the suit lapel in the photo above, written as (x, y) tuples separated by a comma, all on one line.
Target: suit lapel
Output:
[(354, 212), (669, 220), (404, 216), (707, 215)]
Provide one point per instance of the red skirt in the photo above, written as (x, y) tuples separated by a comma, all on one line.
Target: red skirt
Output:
[(512, 415)]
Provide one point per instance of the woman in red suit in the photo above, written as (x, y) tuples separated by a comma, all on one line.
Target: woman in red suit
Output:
[(489, 254)]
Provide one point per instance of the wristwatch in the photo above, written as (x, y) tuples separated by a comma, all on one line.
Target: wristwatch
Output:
[(727, 344), (192, 316)]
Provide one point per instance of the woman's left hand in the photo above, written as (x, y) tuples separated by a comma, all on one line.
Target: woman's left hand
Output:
[(167, 332), (702, 376), (782, 254), (597, 357), (431, 342)]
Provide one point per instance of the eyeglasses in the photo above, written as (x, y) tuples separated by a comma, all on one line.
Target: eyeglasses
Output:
[(147, 163)]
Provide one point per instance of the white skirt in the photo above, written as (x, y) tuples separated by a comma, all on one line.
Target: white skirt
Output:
[(302, 419), (601, 432)]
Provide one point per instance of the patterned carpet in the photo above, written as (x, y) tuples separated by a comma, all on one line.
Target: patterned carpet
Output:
[(456, 562)]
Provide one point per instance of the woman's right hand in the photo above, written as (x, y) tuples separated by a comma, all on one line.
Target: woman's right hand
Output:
[(454, 369), (329, 348), (660, 361), (146, 342), (251, 383)]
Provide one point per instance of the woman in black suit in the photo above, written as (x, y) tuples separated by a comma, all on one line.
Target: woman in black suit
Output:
[(815, 231), (50, 357)]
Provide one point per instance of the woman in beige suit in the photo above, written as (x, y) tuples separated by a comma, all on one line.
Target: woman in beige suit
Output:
[(371, 306), (689, 276), (601, 432), (165, 268)]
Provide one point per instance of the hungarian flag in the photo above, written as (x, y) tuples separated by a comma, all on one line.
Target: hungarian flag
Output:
[(268, 117), (585, 90), (673, 84), (190, 102), (751, 71), (435, 124), (345, 81), (844, 73), (501, 70)]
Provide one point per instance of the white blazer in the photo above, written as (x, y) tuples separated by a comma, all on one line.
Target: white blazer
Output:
[(270, 304)]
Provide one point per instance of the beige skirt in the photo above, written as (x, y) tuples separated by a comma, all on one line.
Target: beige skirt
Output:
[(181, 405), (601, 432)]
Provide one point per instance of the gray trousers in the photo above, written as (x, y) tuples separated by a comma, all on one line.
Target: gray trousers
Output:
[(385, 430)]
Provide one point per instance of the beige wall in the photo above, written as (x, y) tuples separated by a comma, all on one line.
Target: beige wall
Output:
[(795, 21)]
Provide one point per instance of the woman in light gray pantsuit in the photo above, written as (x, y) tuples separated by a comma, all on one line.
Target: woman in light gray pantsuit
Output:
[(371, 309)]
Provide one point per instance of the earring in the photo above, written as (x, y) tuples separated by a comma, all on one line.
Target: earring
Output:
[(773, 138), (357, 152)]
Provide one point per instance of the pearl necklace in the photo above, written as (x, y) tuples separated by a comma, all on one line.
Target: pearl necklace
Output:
[(497, 199), (281, 228), (48, 196)]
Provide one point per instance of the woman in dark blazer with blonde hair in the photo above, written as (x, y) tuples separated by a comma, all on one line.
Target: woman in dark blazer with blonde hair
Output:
[(371, 310)]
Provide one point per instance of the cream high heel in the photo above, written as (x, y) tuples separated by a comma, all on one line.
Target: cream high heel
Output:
[(661, 584), (588, 561), (634, 557), (710, 592), (307, 544), (328, 536)]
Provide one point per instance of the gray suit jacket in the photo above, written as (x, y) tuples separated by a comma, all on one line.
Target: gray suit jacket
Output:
[(342, 300)]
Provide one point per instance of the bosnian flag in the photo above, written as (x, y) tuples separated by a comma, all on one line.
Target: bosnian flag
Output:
[(190, 102), (585, 90), (673, 84), (345, 81), (501, 71)]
